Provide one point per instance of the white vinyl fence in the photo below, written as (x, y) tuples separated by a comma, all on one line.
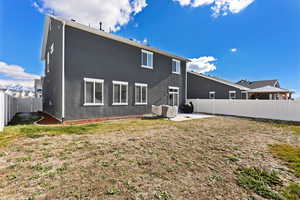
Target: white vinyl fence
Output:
[(9, 106), (265, 109)]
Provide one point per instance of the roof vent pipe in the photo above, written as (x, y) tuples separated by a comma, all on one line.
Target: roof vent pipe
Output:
[(100, 26)]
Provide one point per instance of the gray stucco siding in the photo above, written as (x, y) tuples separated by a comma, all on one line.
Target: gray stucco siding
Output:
[(199, 88), (91, 56), (52, 88)]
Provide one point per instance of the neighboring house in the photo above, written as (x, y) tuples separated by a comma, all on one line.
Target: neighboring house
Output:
[(259, 84), (18, 93), (93, 74), (266, 89), (27, 94), (202, 86), (38, 87)]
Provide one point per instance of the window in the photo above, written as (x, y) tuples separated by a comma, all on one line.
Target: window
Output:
[(175, 66), (141, 91), (48, 62), (52, 48), (244, 95), (173, 96), (212, 95), (232, 94), (93, 92), (147, 59), (120, 93)]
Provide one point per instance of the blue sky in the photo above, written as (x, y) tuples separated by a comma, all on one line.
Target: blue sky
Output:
[(265, 34)]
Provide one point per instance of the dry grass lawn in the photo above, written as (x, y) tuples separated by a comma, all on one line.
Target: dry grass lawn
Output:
[(142, 160)]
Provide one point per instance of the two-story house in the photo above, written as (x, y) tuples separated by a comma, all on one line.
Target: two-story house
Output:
[(93, 74)]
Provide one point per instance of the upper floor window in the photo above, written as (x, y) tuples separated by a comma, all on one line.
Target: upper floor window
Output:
[(212, 95), (232, 95), (147, 59), (175, 66), (93, 92), (52, 48), (48, 62), (141, 93), (120, 93)]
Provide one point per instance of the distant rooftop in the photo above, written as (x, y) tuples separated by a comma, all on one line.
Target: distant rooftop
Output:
[(268, 89), (219, 80), (257, 84)]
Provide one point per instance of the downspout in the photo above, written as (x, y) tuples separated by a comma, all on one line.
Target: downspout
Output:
[(63, 73), (186, 83)]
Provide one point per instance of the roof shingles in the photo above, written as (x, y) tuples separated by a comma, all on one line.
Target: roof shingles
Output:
[(257, 84)]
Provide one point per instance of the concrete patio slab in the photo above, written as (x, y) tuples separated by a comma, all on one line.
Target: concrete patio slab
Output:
[(184, 117)]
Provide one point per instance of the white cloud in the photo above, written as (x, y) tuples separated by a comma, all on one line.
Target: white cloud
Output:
[(197, 3), (15, 72), (233, 50), (145, 41), (12, 83), (183, 2), (112, 13), (219, 7), (202, 64)]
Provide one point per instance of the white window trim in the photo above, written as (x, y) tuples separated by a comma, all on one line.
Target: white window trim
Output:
[(52, 48), (147, 52), (212, 92), (177, 61), (245, 92), (142, 85), (174, 88), (48, 62), (120, 83), (232, 92), (92, 80)]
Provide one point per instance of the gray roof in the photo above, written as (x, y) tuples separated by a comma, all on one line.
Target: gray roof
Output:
[(257, 84), (219, 80)]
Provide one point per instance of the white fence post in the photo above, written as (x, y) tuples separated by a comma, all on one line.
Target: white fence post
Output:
[(267, 109), (2, 113)]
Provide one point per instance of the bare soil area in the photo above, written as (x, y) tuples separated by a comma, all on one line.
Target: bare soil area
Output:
[(187, 160)]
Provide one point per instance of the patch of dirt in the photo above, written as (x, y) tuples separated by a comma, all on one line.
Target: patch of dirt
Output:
[(186, 160)]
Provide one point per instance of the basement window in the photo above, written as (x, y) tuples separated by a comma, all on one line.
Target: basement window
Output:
[(93, 92)]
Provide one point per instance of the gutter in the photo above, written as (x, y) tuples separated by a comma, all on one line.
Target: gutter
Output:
[(63, 72)]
